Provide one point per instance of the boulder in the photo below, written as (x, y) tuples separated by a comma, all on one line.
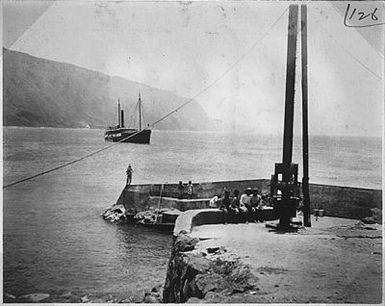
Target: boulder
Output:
[(194, 300), (185, 243), (214, 297), (212, 250), (155, 296), (222, 266), (241, 278), (376, 217), (33, 297), (210, 282), (116, 213), (197, 264), (152, 297)]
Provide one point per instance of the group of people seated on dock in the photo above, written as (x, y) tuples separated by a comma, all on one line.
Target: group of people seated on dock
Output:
[(240, 208)]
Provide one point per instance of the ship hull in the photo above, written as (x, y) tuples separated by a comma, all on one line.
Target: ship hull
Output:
[(128, 135)]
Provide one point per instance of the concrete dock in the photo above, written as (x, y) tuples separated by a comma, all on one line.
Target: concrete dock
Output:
[(335, 261)]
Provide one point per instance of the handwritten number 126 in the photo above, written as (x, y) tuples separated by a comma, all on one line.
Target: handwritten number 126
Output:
[(362, 14)]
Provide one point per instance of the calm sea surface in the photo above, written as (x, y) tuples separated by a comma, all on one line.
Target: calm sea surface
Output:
[(54, 237)]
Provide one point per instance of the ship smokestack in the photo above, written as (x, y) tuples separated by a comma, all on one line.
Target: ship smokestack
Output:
[(119, 123), (122, 117)]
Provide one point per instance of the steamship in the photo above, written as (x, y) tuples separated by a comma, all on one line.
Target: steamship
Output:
[(120, 133)]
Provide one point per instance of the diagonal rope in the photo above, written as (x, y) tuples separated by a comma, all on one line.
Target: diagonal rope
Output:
[(73, 161), (157, 121), (222, 75), (379, 77)]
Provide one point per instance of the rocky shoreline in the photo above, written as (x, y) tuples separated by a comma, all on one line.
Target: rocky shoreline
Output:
[(193, 277)]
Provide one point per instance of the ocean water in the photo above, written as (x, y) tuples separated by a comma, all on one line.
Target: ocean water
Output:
[(54, 239)]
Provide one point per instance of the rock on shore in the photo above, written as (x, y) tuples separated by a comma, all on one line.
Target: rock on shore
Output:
[(192, 277)]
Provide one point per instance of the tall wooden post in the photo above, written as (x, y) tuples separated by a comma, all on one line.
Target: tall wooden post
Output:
[(285, 215), (305, 143), (290, 83)]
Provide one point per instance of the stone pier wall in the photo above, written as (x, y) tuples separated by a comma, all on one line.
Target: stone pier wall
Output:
[(336, 201), (345, 202)]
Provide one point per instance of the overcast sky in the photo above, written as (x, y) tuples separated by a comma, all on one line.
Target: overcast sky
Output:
[(184, 47)]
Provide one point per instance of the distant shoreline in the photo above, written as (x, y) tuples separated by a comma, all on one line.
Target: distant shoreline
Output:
[(196, 131)]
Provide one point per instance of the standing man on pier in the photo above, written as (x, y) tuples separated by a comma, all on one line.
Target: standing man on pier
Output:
[(129, 175), (190, 190)]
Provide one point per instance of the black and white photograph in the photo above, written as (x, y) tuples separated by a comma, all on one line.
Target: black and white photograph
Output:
[(192, 151)]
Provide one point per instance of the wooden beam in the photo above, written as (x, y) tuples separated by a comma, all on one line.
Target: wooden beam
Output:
[(290, 83), (305, 142)]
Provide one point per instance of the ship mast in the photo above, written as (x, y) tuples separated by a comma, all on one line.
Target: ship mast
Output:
[(140, 112)]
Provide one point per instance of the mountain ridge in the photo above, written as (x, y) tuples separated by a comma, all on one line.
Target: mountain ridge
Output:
[(46, 93)]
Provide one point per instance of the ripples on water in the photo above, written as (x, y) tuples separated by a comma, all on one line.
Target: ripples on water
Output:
[(54, 237)]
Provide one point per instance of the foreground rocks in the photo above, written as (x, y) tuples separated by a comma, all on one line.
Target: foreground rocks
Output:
[(154, 296), (192, 277), (117, 213)]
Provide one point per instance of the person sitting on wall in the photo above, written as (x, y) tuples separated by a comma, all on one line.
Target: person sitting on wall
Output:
[(244, 205), (225, 203), (190, 190), (214, 202), (233, 211), (256, 203), (220, 202)]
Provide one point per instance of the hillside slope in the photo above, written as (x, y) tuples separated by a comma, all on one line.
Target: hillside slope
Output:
[(40, 92)]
